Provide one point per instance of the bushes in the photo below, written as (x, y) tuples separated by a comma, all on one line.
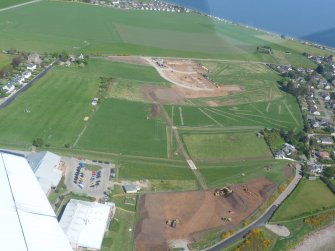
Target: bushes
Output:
[(255, 241)]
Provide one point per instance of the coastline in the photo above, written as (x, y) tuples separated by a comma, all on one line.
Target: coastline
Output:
[(287, 37)]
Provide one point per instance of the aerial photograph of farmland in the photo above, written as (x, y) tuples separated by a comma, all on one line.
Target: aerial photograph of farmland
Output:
[(167, 125)]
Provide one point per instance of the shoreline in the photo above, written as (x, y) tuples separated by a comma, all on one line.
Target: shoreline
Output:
[(287, 37)]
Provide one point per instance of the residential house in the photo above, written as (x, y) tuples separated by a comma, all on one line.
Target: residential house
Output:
[(324, 155), (315, 168), (280, 154), (31, 67), (288, 149), (325, 141), (8, 88)]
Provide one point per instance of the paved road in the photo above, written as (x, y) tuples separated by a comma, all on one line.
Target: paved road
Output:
[(12, 97), (263, 219)]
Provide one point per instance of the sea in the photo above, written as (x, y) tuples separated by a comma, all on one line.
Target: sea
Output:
[(310, 20)]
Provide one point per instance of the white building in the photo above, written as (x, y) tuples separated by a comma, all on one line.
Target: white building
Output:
[(85, 223), (27, 219), (46, 165), (31, 67)]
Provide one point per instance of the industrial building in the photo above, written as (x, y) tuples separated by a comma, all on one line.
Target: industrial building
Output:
[(45, 165), (85, 223), (27, 219)]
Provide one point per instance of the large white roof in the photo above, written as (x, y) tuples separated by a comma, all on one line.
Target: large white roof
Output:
[(27, 219), (45, 166), (85, 223)]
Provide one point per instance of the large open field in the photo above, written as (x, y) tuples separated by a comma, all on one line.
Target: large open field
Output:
[(229, 146), (309, 197), (242, 171), (122, 127), (54, 108), (258, 81), (112, 31), (7, 3), (280, 113)]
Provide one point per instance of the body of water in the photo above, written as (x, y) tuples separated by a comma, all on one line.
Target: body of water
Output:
[(307, 19)]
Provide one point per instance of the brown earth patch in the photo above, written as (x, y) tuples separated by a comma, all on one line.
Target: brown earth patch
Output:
[(212, 103), (197, 211), (288, 171), (155, 111), (129, 60), (162, 95)]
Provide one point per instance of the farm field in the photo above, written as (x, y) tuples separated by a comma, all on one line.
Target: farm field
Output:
[(280, 113), (241, 171), (112, 31), (55, 106), (259, 82), (230, 146), (121, 126), (8, 3), (305, 200)]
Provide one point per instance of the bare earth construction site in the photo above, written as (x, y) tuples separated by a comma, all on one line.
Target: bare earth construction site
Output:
[(189, 81), (195, 212)]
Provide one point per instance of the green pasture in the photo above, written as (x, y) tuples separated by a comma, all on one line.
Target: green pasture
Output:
[(280, 113), (152, 171), (229, 146), (308, 198), (8, 3), (241, 171), (55, 106), (120, 126), (97, 30)]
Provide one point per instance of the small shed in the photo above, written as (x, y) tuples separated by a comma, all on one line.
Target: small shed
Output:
[(131, 188)]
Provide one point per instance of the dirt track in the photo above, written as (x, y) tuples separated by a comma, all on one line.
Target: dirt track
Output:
[(197, 211)]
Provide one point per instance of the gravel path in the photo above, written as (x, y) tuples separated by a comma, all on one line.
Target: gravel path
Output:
[(322, 240)]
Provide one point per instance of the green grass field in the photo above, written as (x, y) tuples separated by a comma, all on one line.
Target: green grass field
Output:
[(136, 171), (55, 106), (122, 127), (309, 197), (8, 3), (119, 237), (241, 171), (230, 146), (112, 31), (259, 82), (280, 113)]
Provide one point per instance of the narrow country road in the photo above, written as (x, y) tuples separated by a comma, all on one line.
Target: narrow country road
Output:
[(263, 218)]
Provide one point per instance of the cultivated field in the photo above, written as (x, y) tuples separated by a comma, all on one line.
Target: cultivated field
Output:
[(230, 146), (309, 197), (112, 31), (196, 212)]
